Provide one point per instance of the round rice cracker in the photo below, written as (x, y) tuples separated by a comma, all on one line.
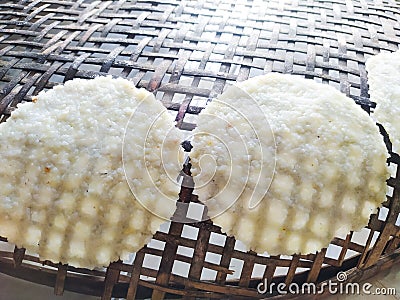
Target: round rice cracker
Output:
[(383, 80), (295, 163), (68, 191)]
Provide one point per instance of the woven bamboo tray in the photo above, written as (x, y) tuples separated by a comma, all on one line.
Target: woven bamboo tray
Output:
[(186, 52)]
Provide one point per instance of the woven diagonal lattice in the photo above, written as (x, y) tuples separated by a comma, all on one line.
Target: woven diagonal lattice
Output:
[(188, 51)]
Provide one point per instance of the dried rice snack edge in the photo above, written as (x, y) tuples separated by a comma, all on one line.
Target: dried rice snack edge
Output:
[(384, 87)]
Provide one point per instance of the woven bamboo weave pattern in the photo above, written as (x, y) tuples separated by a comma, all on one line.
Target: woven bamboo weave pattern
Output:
[(187, 52)]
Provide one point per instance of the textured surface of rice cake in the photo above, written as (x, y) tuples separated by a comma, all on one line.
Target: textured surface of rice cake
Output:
[(317, 170), (63, 189), (384, 88)]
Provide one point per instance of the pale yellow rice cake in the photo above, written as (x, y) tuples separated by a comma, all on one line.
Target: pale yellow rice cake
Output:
[(285, 164), (64, 190), (384, 88)]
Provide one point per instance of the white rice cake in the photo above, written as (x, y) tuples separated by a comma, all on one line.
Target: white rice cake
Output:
[(285, 164), (384, 88), (63, 190)]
